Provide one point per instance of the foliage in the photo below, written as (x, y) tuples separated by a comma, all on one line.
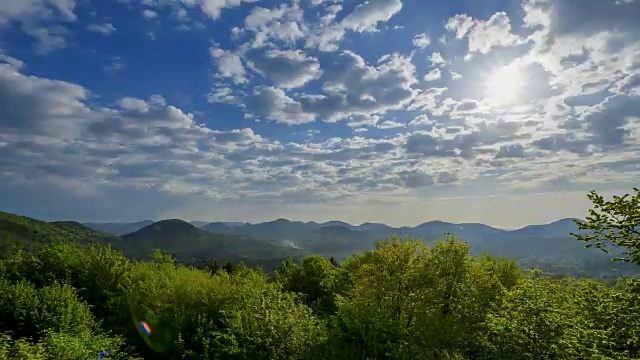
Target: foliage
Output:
[(19, 232), (317, 280), (614, 222)]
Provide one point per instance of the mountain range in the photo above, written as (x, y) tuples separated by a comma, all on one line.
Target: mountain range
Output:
[(340, 239), (548, 246)]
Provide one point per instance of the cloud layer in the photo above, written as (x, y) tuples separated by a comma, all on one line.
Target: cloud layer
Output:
[(409, 122)]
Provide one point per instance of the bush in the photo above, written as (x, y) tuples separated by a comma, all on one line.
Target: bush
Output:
[(28, 312)]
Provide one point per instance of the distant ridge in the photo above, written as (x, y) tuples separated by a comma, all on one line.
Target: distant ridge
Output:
[(548, 246), (188, 241), (21, 232), (118, 229)]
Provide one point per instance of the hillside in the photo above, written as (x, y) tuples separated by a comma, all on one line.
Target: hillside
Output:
[(118, 229), (187, 242), (547, 246), (20, 232)]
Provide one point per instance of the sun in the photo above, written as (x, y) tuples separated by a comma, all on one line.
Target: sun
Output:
[(504, 85)]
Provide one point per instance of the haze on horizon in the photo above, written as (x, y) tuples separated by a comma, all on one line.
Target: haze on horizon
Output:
[(504, 113)]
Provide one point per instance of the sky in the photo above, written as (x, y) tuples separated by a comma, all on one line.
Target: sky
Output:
[(398, 111)]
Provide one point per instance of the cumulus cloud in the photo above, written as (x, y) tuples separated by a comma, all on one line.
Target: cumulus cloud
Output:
[(37, 105), (284, 23), (432, 75), (48, 38), (420, 120), (149, 14), (607, 121), (510, 151), (287, 68), (483, 35), (103, 29), (229, 65), (421, 41), (403, 135), (274, 104), (415, 178), (389, 124), (436, 59), (238, 136), (213, 8), (366, 16), (588, 17), (351, 87), (28, 11)]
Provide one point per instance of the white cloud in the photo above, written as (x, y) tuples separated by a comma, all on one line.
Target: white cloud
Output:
[(389, 124), (133, 104), (461, 24), (221, 95), (274, 104), (229, 65), (436, 59), (366, 16), (455, 75), (48, 38), (15, 63), (37, 105), (325, 39), (421, 41), (28, 11), (581, 116), (331, 13), (284, 23), (149, 14), (319, 2), (432, 75), (420, 120), (213, 8), (483, 35), (104, 29), (287, 68)]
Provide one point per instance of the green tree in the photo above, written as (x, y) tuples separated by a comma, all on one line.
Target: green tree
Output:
[(615, 222), (213, 267), (317, 280), (160, 257), (229, 266)]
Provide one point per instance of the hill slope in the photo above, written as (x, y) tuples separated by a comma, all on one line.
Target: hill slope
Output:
[(187, 241), (118, 229), (20, 232)]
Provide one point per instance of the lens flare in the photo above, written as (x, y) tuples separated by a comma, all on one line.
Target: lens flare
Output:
[(152, 329), (146, 329)]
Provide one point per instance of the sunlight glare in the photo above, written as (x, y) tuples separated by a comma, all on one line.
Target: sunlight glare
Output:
[(504, 85)]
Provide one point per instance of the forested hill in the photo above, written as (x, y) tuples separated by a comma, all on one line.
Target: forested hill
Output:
[(19, 232), (548, 247), (187, 243)]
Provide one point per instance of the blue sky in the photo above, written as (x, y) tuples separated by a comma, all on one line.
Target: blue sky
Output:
[(502, 112)]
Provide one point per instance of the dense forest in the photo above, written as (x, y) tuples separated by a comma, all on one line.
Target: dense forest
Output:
[(77, 298)]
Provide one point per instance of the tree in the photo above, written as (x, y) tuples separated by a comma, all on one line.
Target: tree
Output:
[(615, 222), (160, 257), (213, 267), (230, 267), (334, 262)]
